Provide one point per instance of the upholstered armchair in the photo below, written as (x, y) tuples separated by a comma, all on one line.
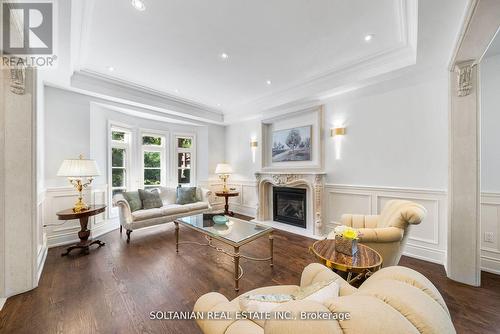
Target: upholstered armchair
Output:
[(386, 233), (394, 300)]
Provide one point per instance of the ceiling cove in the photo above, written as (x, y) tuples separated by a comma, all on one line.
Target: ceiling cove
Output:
[(277, 54)]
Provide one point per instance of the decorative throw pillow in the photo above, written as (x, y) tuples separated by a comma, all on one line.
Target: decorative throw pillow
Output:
[(186, 195), (263, 303), (150, 199), (133, 199), (319, 291)]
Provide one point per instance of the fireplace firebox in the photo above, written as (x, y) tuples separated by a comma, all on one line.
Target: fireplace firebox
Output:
[(289, 206)]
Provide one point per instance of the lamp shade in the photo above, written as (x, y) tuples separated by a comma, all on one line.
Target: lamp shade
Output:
[(223, 169), (79, 168)]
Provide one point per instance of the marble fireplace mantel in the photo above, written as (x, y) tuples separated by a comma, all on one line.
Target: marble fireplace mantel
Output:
[(314, 182)]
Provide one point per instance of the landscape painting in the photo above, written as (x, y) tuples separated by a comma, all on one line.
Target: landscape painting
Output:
[(292, 144)]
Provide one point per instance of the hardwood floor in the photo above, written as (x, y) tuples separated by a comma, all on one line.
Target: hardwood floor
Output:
[(113, 289)]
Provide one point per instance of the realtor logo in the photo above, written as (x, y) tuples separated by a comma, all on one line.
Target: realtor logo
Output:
[(27, 28)]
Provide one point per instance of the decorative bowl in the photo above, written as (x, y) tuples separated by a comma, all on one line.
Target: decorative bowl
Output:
[(220, 220)]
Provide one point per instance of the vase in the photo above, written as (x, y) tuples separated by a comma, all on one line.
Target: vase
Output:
[(346, 246)]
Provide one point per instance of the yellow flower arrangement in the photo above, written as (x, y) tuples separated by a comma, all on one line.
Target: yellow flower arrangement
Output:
[(350, 233)]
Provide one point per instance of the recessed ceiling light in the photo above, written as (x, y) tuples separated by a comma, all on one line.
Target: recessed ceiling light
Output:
[(268, 82), (368, 37), (224, 55), (110, 68), (218, 104), (139, 5), (176, 90)]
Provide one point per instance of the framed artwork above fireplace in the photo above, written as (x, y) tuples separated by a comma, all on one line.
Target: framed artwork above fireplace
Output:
[(293, 142)]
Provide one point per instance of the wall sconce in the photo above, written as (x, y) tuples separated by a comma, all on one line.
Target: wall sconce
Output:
[(253, 147), (337, 134)]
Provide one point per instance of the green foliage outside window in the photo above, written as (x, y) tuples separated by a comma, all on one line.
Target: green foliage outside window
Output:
[(184, 142), (118, 135), (152, 159), (118, 177), (152, 177), (184, 176), (148, 140), (117, 157)]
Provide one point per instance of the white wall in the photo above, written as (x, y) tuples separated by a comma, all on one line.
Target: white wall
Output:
[(238, 152), (490, 163), (73, 126), (396, 146), (490, 124), (78, 124), (396, 138)]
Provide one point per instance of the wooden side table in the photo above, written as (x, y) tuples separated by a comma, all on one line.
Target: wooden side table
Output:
[(226, 195), (364, 263), (84, 233)]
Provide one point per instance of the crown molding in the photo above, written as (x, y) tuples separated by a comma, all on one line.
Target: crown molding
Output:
[(108, 85), (338, 80), (132, 105), (346, 77)]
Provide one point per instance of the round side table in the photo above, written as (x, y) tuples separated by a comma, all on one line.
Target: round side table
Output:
[(84, 233), (362, 264), (226, 195)]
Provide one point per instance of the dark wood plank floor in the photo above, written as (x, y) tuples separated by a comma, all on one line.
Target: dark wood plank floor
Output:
[(114, 289)]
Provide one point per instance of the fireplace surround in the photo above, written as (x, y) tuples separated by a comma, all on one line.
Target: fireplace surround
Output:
[(312, 182)]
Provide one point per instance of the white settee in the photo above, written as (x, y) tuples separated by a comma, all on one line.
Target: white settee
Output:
[(166, 214)]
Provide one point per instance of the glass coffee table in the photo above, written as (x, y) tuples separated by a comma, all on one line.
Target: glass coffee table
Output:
[(235, 233)]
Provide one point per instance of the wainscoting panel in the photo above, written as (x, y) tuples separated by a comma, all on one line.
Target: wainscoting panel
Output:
[(427, 241), (345, 202), (41, 235), (60, 232), (490, 224), (245, 204)]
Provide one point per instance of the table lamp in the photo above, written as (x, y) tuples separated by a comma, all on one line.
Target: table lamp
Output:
[(224, 170), (75, 170)]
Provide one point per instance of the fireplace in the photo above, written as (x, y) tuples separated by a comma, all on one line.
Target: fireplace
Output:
[(290, 206)]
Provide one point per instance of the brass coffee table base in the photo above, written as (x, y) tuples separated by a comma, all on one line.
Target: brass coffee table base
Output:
[(236, 255)]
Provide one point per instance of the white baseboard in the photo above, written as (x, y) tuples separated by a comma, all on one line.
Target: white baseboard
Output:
[(425, 253), (42, 256), (71, 236), (243, 210), (490, 264), (291, 229)]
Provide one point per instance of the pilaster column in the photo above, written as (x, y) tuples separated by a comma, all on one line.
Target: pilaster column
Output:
[(18, 196), (463, 261)]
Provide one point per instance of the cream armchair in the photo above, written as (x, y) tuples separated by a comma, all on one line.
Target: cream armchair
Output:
[(387, 232), (393, 300)]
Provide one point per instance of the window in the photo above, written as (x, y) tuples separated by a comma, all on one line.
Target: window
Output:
[(184, 151), (153, 155), (120, 147)]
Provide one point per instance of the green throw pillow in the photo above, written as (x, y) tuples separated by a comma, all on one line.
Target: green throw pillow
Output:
[(186, 195), (133, 199), (150, 199)]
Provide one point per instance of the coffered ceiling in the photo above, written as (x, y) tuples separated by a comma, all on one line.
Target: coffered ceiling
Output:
[(277, 51)]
